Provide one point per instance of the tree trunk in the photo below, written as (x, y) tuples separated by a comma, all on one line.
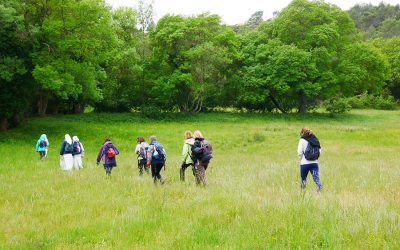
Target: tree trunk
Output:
[(78, 108), (3, 124), (302, 103), (42, 102), (16, 120), (277, 104)]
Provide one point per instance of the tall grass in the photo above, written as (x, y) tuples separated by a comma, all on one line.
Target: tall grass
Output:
[(253, 200)]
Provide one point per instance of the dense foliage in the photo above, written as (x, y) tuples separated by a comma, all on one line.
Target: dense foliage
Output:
[(62, 56)]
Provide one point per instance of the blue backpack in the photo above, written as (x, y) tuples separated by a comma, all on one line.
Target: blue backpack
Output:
[(159, 153)]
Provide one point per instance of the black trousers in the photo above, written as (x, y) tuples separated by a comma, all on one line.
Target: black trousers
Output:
[(142, 164), (183, 169), (155, 170)]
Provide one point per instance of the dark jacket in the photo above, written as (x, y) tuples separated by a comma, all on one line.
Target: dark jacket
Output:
[(197, 152), (64, 149), (103, 154)]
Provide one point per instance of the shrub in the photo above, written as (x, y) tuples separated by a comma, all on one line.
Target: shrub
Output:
[(337, 105), (365, 100)]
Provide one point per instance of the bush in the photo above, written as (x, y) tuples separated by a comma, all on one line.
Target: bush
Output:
[(387, 103), (152, 112), (337, 106), (365, 100)]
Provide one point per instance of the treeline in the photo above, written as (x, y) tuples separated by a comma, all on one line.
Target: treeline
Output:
[(62, 56)]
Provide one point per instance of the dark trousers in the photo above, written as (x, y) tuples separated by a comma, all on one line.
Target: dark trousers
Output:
[(313, 168), (183, 169), (142, 164), (42, 154), (155, 171), (108, 168)]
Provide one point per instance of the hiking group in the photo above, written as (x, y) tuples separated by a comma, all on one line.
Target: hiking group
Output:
[(196, 154)]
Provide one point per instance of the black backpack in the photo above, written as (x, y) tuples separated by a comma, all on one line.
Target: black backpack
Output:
[(202, 150), (313, 148)]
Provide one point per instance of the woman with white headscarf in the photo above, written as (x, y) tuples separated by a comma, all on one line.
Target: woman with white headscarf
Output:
[(77, 152), (66, 159)]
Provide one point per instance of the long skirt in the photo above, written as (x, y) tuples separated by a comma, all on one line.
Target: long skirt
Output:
[(78, 162), (66, 162)]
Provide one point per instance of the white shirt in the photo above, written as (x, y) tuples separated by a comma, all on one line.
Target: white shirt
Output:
[(137, 149), (300, 152)]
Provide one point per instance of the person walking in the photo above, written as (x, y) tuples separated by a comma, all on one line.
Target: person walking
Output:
[(187, 160), (141, 151), (308, 150), (78, 152), (41, 146), (156, 158), (108, 153), (66, 159), (202, 154)]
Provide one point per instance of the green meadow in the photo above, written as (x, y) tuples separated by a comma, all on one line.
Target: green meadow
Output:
[(253, 200)]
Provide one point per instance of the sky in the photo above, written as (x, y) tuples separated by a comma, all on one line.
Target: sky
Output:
[(231, 11)]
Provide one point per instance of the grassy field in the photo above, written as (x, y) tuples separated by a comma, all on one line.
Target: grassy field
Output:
[(253, 200)]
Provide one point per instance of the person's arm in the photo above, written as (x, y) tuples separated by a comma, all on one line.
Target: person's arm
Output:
[(137, 149), (47, 143), (100, 154), (62, 147), (116, 150), (185, 152), (300, 150), (82, 149), (197, 150), (149, 154), (37, 146)]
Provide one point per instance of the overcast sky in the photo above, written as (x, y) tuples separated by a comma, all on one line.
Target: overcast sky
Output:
[(231, 11)]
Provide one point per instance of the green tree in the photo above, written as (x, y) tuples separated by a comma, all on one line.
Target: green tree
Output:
[(72, 43), (391, 49), (298, 58), (194, 59), (124, 70), (15, 82)]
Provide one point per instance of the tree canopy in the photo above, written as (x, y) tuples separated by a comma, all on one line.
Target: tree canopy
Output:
[(61, 56)]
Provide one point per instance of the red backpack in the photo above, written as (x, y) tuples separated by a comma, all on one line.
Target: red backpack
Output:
[(111, 153)]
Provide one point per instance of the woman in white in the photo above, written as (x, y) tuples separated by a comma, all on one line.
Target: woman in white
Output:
[(77, 153), (66, 159), (308, 151)]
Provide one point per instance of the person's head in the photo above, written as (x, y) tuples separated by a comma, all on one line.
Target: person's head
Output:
[(68, 138), (43, 137), (153, 138), (305, 131), (198, 135), (188, 134), (140, 139), (107, 139), (75, 138)]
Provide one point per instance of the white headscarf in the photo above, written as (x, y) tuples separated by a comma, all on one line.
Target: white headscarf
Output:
[(68, 139), (75, 139)]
